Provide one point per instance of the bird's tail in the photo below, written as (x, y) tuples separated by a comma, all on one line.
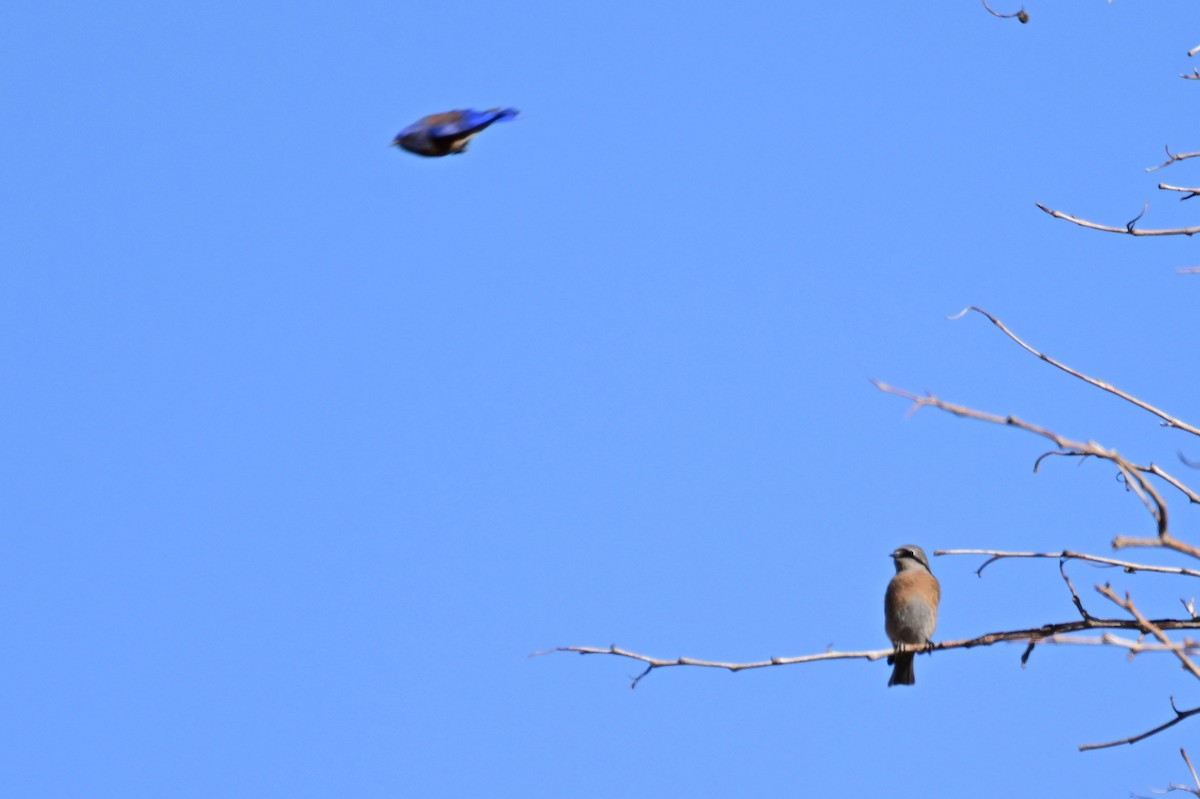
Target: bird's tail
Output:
[(902, 672), (503, 114)]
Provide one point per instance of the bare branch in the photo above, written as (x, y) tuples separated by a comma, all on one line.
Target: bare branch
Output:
[(1180, 652), (1157, 472), (1150, 627), (1172, 157), (1168, 420), (1194, 76), (1165, 541), (1020, 15), (1066, 554), (1194, 50), (658, 663), (1046, 634), (1062, 570), (1134, 647), (1180, 715), (1128, 228), (1191, 192), (1192, 769), (1132, 473)]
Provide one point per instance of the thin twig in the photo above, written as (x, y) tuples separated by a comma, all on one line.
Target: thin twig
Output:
[(1134, 647), (1131, 472), (1128, 228), (1062, 563), (1021, 16), (1180, 715), (1172, 157), (1180, 652), (1066, 554), (1164, 541), (1150, 627), (1155, 470), (1047, 633), (1192, 769), (1191, 192), (1168, 420), (1189, 606)]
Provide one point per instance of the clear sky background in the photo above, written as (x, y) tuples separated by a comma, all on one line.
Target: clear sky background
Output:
[(309, 442)]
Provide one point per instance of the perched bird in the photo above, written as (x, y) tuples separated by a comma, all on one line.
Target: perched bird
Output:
[(910, 608), (448, 133)]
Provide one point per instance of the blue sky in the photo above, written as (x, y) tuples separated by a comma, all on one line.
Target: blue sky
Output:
[(310, 442)]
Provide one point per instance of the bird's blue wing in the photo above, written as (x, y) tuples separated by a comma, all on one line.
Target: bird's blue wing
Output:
[(453, 124), (448, 133)]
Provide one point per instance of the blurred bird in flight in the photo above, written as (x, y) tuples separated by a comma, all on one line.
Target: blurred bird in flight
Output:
[(450, 132)]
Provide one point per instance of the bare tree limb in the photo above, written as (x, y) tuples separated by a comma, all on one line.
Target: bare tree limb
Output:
[(1191, 192), (1180, 715), (1165, 541), (1172, 157), (1062, 570), (1191, 768), (1190, 607), (1195, 779), (1134, 647), (1180, 652), (1128, 228), (1046, 634), (1183, 489), (1150, 627), (1168, 420), (1021, 16), (1132, 473), (1066, 554)]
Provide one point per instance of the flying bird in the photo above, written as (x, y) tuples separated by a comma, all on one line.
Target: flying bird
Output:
[(450, 132)]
